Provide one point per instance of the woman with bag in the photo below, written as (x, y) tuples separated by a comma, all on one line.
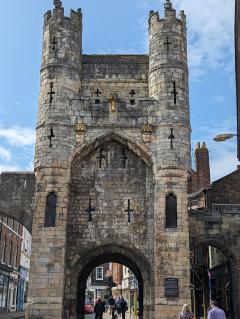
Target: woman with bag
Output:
[(186, 313)]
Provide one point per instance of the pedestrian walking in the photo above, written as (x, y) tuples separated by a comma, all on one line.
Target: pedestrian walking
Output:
[(111, 303), (118, 306), (99, 309), (124, 307), (186, 313), (215, 312)]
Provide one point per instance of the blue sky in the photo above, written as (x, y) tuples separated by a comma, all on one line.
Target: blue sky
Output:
[(119, 27)]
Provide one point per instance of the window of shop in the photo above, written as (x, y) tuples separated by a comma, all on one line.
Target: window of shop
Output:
[(14, 297), (4, 283)]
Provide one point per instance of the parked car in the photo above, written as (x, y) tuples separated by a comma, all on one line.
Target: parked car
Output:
[(88, 306)]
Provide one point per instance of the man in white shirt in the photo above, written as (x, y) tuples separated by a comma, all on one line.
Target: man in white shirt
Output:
[(215, 312)]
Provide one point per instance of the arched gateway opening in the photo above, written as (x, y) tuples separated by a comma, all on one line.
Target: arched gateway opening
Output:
[(83, 264), (102, 260), (212, 278)]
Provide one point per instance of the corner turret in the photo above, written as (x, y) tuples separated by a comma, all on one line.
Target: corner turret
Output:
[(60, 81), (168, 83)]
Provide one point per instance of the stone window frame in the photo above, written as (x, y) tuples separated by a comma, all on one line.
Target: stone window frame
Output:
[(45, 225), (168, 225)]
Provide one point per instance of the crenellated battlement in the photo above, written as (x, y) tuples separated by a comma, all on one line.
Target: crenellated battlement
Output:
[(169, 14), (58, 31), (57, 15)]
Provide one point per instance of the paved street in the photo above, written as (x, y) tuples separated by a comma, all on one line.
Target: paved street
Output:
[(16, 315), (12, 315), (107, 316)]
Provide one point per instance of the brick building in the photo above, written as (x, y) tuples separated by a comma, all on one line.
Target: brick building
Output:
[(200, 177), (222, 194), (117, 273), (10, 253), (24, 270)]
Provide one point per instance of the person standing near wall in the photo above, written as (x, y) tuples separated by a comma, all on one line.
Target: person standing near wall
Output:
[(215, 312)]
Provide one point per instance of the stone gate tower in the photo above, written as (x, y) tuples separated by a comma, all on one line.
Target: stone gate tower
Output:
[(112, 161)]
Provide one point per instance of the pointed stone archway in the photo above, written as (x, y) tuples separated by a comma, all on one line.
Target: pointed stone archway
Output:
[(87, 260)]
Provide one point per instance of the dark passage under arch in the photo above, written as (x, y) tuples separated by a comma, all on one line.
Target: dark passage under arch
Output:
[(101, 259), (212, 278)]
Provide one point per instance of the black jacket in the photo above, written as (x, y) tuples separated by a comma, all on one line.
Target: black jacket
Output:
[(99, 308)]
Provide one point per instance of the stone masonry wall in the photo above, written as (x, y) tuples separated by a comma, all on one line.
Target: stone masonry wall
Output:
[(17, 196), (109, 187)]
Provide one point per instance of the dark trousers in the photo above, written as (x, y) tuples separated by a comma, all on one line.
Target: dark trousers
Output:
[(98, 315), (123, 314)]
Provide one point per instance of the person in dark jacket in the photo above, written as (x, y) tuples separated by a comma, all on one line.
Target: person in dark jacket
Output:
[(111, 303), (99, 309), (123, 307)]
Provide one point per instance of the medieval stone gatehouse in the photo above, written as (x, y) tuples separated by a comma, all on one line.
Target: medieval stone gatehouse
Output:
[(111, 166)]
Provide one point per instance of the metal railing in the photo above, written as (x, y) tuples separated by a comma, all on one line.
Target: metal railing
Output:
[(226, 208)]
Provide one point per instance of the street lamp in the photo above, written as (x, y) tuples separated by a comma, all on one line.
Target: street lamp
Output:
[(224, 137)]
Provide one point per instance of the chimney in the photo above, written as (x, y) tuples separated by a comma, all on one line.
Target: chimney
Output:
[(202, 165)]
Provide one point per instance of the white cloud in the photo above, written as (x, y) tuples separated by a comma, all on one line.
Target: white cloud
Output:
[(8, 168), (19, 136), (223, 161), (210, 32), (5, 154)]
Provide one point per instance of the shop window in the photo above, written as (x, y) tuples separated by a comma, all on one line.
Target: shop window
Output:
[(171, 211), (4, 283), (50, 210)]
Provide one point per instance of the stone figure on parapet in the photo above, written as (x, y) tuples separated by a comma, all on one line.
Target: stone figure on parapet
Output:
[(57, 4), (168, 4)]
